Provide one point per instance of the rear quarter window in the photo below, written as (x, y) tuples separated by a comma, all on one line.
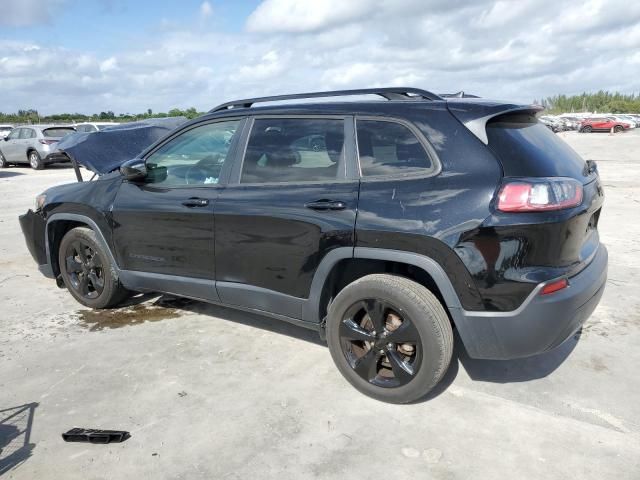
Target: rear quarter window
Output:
[(390, 148), (526, 148)]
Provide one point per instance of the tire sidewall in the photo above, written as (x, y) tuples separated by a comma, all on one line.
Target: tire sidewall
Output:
[(110, 283), (434, 359), (38, 161)]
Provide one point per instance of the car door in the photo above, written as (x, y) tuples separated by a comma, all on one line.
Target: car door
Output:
[(164, 225), (11, 146), (290, 201)]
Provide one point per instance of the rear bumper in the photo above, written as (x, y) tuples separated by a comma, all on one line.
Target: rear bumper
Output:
[(56, 157), (541, 323), (33, 227)]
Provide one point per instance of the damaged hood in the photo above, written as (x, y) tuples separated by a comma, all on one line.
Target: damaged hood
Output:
[(105, 150)]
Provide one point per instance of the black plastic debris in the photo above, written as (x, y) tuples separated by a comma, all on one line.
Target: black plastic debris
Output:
[(95, 436)]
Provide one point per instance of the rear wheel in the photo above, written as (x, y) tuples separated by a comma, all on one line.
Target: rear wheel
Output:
[(35, 161), (618, 128), (390, 337), (87, 271)]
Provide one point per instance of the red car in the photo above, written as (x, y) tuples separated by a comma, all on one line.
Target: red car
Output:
[(603, 124)]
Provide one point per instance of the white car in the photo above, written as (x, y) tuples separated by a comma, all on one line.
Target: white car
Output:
[(629, 119), (93, 126), (5, 130)]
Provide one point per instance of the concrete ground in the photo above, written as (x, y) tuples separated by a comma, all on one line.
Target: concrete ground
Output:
[(208, 392)]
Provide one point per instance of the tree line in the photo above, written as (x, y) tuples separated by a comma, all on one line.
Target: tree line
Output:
[(602, 102), (32, 116)]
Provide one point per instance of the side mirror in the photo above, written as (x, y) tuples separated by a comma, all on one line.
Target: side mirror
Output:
[(134, 169)]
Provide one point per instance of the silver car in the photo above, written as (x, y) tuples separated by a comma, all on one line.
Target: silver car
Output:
[(33, 144)]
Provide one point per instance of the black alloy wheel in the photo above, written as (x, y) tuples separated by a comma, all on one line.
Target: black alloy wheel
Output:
[(85, 269), (380, 343), (390, 337)]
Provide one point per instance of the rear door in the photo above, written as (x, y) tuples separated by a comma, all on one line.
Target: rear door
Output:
[(164, 225), (290, 202)]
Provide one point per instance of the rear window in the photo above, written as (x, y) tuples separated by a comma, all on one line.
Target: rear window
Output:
[(57, 132), (526, 148)]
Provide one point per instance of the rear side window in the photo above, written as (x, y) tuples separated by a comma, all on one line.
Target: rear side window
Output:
[(294, 150), (526, 148), (27, 133), (390, 148), (57, 132)]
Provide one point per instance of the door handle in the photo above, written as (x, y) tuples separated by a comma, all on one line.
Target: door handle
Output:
[(195, 202), (326, 205)]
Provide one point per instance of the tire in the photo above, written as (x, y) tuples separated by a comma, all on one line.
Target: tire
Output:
[(586, 129), (87, 271), (381, 367), (34, 160), (618, 128), (3, 161)]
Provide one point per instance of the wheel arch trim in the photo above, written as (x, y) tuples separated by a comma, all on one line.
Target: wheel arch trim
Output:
[(429, 265), (75, 217)]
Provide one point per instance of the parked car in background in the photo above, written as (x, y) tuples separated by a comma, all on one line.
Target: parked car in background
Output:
[(552, 124), (5, 130), (32, 144), (93, 126), (603, 124), (633, 121)]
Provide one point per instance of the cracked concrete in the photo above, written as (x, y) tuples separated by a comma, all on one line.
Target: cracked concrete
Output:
[(208, 392)]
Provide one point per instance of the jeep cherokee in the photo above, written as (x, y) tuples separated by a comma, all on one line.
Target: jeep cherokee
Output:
[(382, 224)]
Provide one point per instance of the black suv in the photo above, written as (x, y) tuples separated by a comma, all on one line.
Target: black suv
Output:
[(382, 224)]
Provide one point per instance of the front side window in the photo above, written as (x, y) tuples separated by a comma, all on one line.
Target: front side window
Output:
[(390, 148), (15, 133), (194, 157), (294, 150)]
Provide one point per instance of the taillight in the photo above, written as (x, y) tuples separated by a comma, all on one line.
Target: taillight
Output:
[(539, 194), (554, 286), (44, 141)]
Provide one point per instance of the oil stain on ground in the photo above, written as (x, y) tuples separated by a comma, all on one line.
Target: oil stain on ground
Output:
[(162, 309)]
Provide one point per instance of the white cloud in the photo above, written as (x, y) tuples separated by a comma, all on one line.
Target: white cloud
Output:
[(206, 9), (109, 65), (514, 50), (304, 16)]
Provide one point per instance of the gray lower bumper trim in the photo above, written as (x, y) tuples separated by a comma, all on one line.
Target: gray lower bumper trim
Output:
[(542, 322)]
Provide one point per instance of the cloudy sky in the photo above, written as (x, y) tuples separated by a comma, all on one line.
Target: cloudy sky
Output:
[(90, 56)]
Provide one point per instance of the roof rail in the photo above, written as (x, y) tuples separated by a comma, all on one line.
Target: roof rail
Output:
[(394, 93)]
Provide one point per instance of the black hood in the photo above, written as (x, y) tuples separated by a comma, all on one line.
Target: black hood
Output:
[(105, 150)]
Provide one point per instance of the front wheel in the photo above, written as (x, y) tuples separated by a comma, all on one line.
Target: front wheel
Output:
[(35, 161), (586, 129), (87, 271), (390, 337), (3, 161), (618, 128)]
